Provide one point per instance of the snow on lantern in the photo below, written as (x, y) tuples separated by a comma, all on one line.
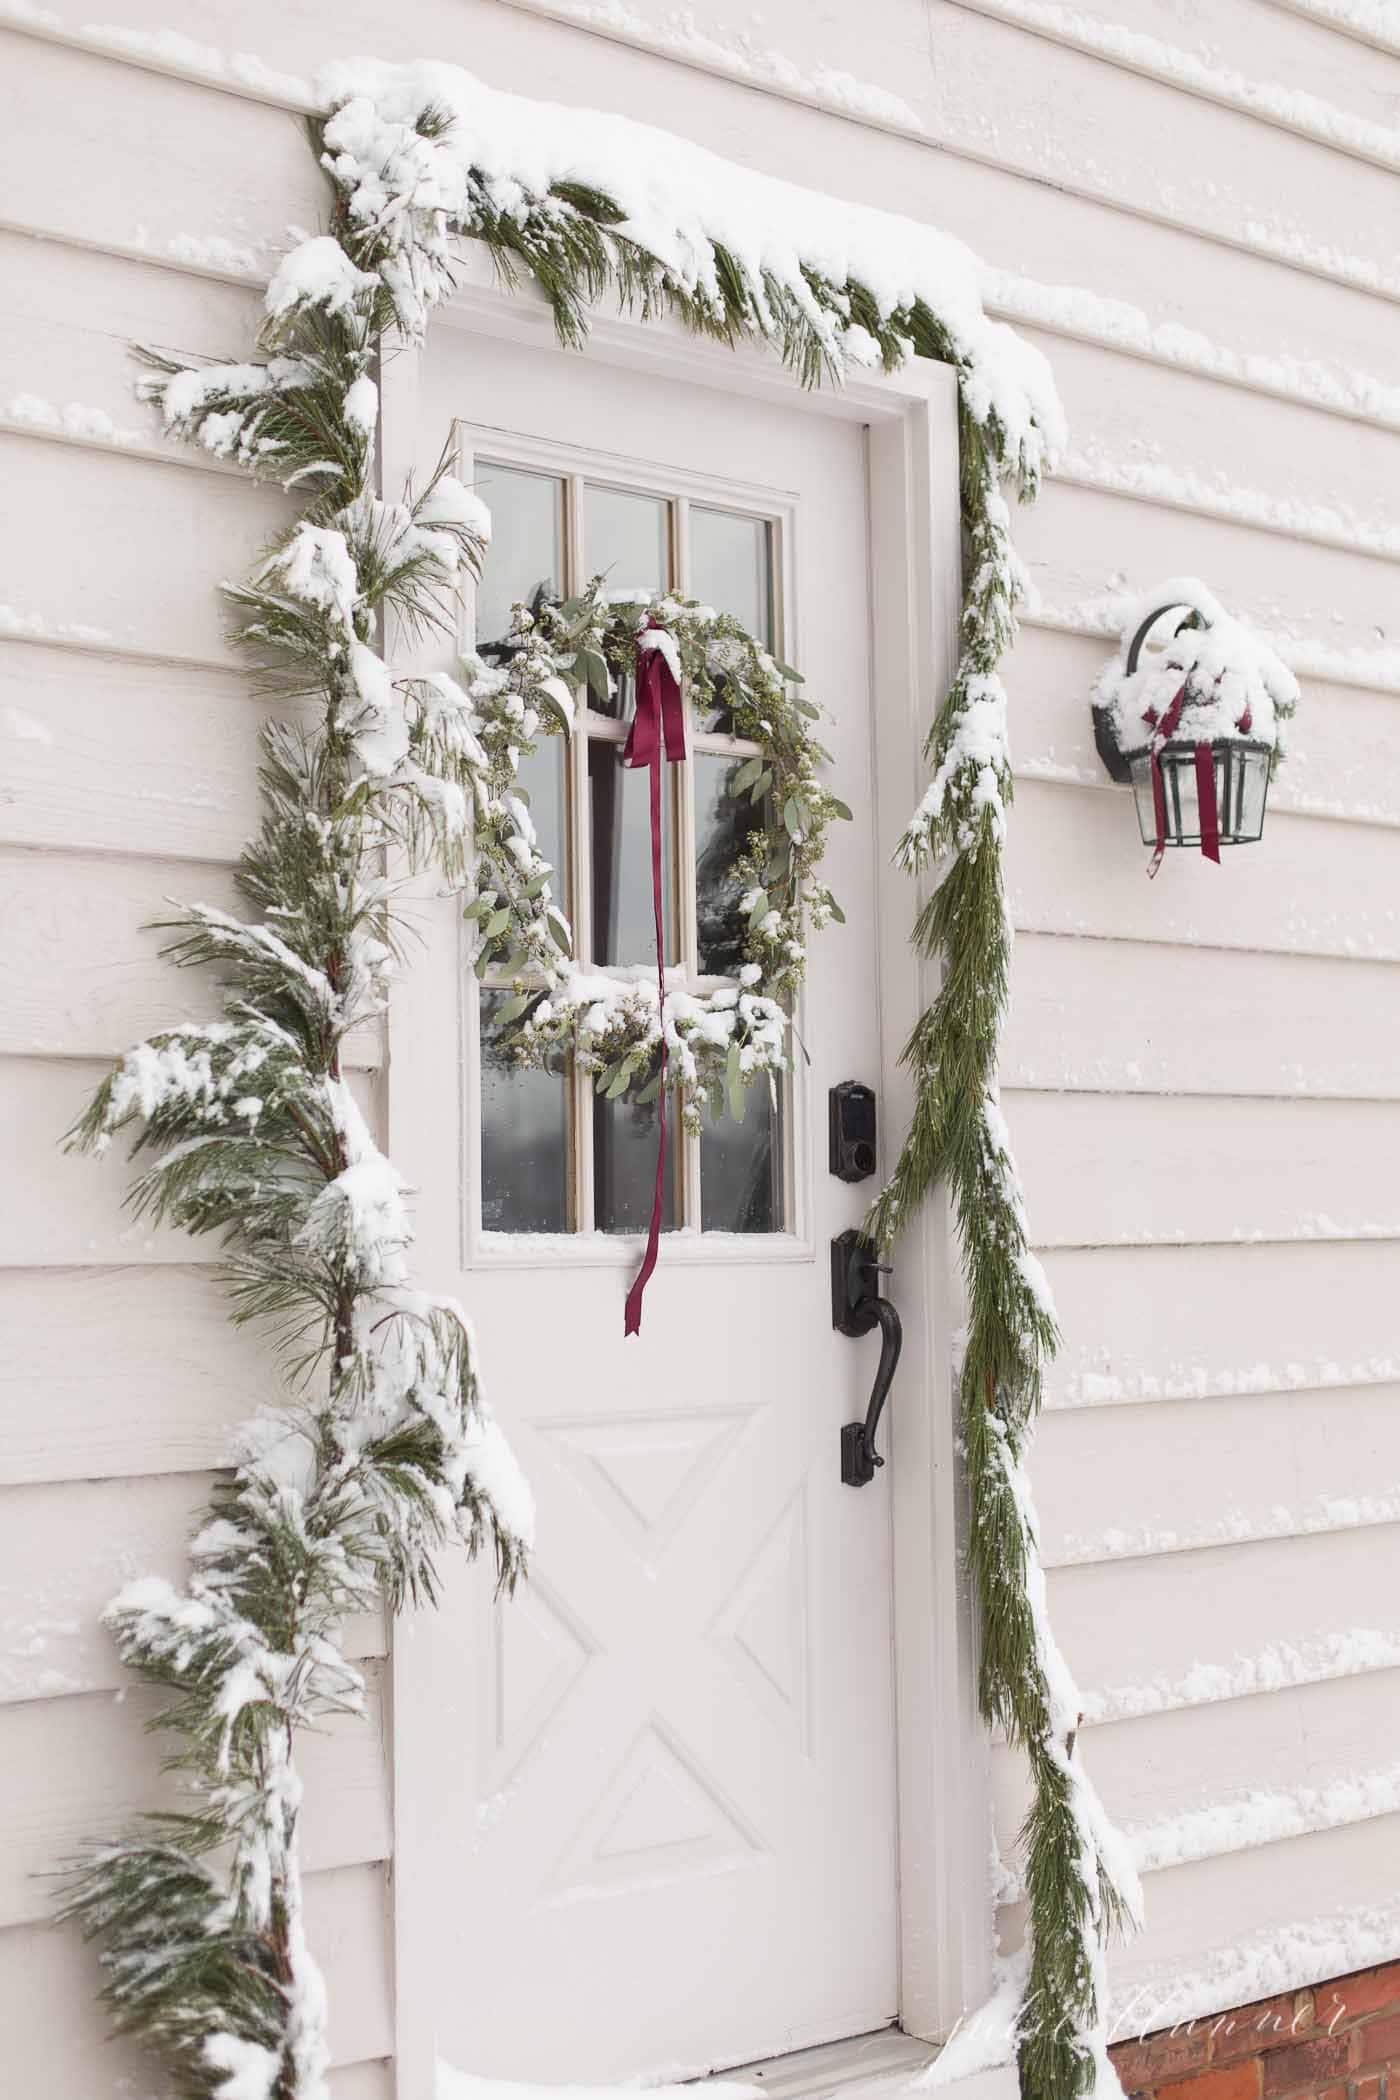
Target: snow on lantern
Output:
[(1189, 711)]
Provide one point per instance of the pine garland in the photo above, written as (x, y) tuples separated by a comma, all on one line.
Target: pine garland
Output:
[(345, 1494)]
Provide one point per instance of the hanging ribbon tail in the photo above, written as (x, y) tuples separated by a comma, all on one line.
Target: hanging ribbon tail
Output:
[(1164, 729), (659, 714), (1207, 804)]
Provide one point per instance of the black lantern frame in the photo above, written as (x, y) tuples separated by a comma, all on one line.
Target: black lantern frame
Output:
[(1242, 768)]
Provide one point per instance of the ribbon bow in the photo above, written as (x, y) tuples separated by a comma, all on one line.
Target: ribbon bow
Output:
[(1205, 789), (659, 714)]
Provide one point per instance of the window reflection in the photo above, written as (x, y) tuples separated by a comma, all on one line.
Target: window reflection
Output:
[(625, 1138), (524, 1136), (731, 568), (624, 916), (723, 825), (741, 1167), (527, 536)]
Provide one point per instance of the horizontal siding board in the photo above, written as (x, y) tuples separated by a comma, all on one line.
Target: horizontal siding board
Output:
[(1075, 864), (1142, 1324), (65, 1550), (120, 757), (74, 1213), (150, 544), (1127, 1016), (227, 168), (1131, 1480), (1172, 1764), (79, 1769), (114, 1373), (1073, 536), (1340, 745), (53, 2028), (1153, 1623), (72, 316), (1181, 1167)]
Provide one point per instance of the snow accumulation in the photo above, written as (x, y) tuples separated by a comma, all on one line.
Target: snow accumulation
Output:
[(1106, 613), (1234, 683), (679, 35), (1232, 1527), (680, 202), (1294, 107), (1352, 1653), (1222, 499), (1263, 1816), (462, 2085), (1376, 20), (1200, 1382), (73, 420)]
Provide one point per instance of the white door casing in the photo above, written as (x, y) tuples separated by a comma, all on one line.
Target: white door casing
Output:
[(709, 1564)]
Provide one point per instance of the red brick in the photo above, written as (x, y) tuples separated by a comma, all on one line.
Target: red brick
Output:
[(1272, 2023), (1367, 2089), (1377, 2041), (1306, 2065), (1154, 2057), (1333, 2092), (1369, 1991), (1235, 2082)]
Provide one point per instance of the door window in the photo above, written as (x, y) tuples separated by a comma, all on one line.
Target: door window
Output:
[(554, 1156)]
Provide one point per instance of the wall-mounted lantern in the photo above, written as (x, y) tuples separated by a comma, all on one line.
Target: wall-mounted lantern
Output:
[(1193, 721)]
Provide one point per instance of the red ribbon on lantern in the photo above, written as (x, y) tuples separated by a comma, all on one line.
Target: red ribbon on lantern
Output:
[(1205, 789), (659, 715)]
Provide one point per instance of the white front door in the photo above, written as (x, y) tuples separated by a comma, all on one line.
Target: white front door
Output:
[(652, 1797)]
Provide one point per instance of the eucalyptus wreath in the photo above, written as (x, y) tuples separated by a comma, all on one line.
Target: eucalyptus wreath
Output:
[(761, 883)]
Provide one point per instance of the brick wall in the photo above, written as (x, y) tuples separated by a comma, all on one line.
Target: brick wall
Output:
[(1337, 2041)]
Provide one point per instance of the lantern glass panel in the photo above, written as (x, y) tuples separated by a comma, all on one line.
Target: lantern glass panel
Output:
[(1241, 790)]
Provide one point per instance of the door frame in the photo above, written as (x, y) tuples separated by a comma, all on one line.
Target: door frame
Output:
[(942, 1754)]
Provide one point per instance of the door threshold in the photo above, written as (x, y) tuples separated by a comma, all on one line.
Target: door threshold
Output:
[(861, 2063)]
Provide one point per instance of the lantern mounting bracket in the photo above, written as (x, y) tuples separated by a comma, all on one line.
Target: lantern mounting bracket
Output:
[(1115, 761)]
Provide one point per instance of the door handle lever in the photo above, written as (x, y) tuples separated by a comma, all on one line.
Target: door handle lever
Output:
[(856, 1308)]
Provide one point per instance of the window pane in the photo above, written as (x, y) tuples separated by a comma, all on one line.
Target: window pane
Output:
[(524, 1138), (625, 539), (625, 1139), (730, 568), (541, 775), (624, 915), (527, 537), (741, 1167), (723, 824)]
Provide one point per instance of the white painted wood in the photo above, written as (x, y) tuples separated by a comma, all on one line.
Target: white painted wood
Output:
[(139, 1370), (1107, 1016), (125, 758), (372, 2081), (66, 2051), (1261, 1319), (65, 1550), (640, 1785), (1169, 1764), (85, 1765), (1076, 864), (1203, 1472), (127, 528), (1130, 1624), (1184, 1169)]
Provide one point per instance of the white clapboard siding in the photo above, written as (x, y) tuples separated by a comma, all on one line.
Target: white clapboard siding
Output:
[(1135, 1631), (1339, 744), (125, 757), (113, 1373), (72, 316), (65, 2052), (1150, 138), (1131, 410), (66, 1549), (1073, 536), (83, 939), (130, 550), (74, 1213), (1187, 1168), (1122, 1481), (1291, 1745), (1129, 1016), (229, 170), (1076, 864), (372, 2081), (79, 1769), (1142, 1324)]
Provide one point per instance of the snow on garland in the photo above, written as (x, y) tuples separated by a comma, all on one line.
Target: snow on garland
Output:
[(257, 1135)]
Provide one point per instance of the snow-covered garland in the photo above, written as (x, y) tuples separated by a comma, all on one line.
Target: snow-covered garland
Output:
[(723, 1038), (255, 1129)]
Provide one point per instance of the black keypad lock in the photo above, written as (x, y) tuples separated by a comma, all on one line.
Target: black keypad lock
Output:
[(851, 1125)]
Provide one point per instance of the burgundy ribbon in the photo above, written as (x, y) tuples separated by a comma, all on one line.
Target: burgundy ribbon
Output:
[(659, 714), (1205, 790)]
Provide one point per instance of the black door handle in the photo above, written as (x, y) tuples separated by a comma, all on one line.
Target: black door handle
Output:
[(856, 1308)]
